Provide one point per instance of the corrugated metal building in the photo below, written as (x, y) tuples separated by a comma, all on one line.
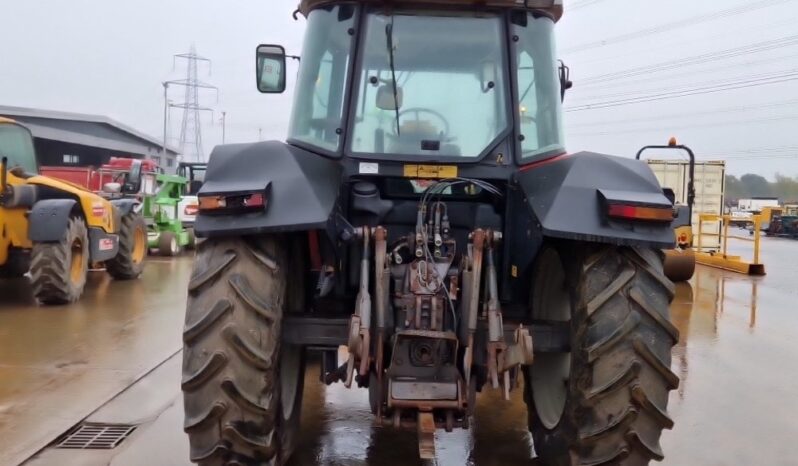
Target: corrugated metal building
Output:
[(77, 139)]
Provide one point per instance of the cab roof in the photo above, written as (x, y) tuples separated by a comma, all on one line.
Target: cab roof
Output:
[(555, 7)]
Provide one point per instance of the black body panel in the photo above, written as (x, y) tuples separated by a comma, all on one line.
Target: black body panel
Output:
[(49, 218), (303, 188), (567, 197)]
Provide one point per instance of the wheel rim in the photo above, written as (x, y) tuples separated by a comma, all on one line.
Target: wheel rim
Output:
[(139, 244), (290, 364), (173, 245), (551, 371), (76, 266)]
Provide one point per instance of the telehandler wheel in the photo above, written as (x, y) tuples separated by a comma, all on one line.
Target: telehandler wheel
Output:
[(58, 269), (16, 266), (605, 401), (242, 388), (129, 261), (167, 244)]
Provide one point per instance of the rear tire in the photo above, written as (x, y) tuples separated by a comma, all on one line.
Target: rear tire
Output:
[(58, 269), (605, 401), (242, 389), (167, 244), (129, 261)]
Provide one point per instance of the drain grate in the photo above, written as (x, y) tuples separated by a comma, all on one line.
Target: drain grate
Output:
[(96, 436)]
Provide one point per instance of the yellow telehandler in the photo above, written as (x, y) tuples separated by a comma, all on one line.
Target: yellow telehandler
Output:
[(55, 229)]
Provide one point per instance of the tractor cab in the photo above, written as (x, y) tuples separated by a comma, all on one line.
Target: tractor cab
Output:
[(425, 81), (194, 172)]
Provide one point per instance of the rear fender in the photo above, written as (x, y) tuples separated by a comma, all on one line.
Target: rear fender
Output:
[(302, 188), (49, 218), (568, 198)]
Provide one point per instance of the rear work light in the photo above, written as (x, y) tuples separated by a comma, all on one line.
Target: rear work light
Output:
[(633, 212), (224, 203)]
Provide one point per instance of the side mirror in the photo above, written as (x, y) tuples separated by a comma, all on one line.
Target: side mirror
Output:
[(565, 79), (270, 69), (132, 183), (112, 188)]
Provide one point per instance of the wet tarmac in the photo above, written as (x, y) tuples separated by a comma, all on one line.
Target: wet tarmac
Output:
[(735, 405), (58, 364)]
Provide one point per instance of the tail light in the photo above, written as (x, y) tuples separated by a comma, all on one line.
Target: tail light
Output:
[(191, 210), (226, 203), (634, 212)]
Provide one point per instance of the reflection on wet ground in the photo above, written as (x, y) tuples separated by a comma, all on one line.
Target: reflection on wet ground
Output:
[(735, 405), (57, 364)]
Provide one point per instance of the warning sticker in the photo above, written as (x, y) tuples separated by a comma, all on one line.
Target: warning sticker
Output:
[(430, 171)]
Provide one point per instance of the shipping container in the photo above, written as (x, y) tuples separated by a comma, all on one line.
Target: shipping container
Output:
[(710, 184)]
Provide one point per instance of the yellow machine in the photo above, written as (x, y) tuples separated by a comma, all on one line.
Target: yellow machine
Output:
[(54, 229)]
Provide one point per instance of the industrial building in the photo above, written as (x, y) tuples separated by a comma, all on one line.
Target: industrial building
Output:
[(75, 139)]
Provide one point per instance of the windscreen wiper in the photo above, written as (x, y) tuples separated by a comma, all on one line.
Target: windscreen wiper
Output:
[(389, 37)]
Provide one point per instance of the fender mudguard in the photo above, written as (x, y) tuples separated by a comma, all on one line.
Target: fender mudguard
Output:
[(49, 218), (302, 188), (567, 196)]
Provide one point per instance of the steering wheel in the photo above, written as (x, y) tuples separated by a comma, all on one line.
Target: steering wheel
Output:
[(417, 111)]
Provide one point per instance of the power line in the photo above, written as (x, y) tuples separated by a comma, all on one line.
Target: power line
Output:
[(687, 126), (682, 115), (578, 5), (680, 24), (688, 86), (732, 85), (695, 60), (748, 63), (702, 39)]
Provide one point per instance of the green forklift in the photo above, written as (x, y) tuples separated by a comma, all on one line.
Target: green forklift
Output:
[(166, 231)]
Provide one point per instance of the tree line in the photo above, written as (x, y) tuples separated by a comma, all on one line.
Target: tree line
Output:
[(750, 185)]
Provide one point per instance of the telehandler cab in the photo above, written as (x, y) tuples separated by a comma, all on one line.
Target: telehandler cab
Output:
[(424, 213)]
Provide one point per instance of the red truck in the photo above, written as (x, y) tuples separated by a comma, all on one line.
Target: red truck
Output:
[(94, 179)]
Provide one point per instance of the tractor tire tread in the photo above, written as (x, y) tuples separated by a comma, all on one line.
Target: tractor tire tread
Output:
[(616, 408), (230, 374)]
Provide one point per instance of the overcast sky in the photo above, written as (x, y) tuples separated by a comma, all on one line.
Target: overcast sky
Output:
[(110, 57)]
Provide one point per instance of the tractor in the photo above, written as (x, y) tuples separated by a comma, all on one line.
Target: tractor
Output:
[(54, 229), (424, 214)]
